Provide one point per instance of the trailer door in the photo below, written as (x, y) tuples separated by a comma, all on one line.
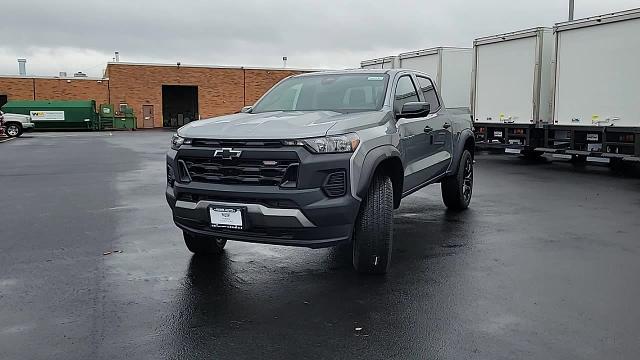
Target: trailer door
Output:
[(504, 85), (598, 75)]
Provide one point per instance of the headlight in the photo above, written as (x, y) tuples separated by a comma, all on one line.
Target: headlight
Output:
[(177, 141), (329, 144)]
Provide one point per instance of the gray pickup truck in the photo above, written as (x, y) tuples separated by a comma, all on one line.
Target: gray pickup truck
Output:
[(320, 159)]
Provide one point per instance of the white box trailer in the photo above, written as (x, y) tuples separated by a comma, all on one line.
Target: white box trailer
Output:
[(389, 62), (596, 108), (597, 75), (449, 67), (512, 88)]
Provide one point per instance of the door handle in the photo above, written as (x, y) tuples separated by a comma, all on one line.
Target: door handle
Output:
[(446, 125), (428, 129)]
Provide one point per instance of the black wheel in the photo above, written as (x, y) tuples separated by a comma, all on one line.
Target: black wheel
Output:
[(13, 130), (203, 245), (457, 188), (373, 233)]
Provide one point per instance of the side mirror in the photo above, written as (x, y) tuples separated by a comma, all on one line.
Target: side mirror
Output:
[(247, 109), (414, 110)]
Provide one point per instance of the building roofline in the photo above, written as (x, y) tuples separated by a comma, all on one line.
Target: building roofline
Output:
[(49, 77), (211, 66)]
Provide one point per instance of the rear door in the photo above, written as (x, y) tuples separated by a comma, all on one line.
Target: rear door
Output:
[(414, 144), (438, 129), (504, 81)]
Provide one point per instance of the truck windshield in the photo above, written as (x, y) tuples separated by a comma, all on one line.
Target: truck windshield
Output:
[(331, 92)]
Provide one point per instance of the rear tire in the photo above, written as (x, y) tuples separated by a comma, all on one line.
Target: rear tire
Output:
[(203, 245), (13, 130), (458, 188), (373, 233)]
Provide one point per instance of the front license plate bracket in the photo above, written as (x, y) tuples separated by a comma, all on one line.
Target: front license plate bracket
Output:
[(227, 217)]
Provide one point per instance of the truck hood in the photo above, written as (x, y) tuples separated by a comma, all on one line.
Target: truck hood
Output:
[(268, 125), (17, 117)]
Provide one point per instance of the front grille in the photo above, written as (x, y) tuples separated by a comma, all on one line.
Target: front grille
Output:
[(265, 172), (336, 184)]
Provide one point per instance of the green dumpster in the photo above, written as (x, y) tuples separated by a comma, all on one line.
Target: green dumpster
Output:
[(107, 116), (128, 119), (57, 115), (112, 120)]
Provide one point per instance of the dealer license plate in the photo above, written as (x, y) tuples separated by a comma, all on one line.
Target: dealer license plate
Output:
[(225, 217)]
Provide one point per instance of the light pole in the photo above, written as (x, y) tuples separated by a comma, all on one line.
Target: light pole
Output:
[(571, 3)]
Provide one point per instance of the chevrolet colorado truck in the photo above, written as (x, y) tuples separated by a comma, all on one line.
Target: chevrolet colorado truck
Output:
[(320, 159)]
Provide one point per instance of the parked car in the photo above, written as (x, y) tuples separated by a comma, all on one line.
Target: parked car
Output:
[(320, 159), (1, 124), (16, 124)]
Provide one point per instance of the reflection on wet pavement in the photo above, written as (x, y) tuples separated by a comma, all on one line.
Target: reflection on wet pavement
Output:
[(541, 266)]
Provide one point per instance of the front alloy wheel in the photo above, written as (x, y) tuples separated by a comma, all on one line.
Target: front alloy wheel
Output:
[(467, 185), (13, 130)]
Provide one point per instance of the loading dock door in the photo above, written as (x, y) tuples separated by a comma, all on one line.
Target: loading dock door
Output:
[(179, 105), (147, 116)]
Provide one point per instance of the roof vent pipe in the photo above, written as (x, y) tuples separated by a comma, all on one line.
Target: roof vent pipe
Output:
[(22, 67)]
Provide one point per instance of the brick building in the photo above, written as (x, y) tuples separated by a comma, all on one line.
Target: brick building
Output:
[(161, 95)]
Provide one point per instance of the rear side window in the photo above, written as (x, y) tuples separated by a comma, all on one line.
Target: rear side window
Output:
[(405, 92), (429, 92)]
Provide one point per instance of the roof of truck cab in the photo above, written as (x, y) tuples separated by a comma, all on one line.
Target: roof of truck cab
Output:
[(350, 71)]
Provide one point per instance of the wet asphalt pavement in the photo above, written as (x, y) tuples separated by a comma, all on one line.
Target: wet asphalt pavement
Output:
[(544, 265)]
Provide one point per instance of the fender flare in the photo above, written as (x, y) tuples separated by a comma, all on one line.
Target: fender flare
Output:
[(371, 161), (462, 139)]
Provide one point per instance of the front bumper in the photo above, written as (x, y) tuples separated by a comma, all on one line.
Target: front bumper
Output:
[(28, 126), (304, 216)]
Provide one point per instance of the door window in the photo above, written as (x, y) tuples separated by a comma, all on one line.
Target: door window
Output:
[(405, 92), (429, 93)]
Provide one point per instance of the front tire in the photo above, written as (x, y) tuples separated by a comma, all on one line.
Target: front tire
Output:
[(13, 130), (203, 245), (458, 188), (373, 233)]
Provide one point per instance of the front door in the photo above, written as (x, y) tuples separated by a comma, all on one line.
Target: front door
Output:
[(414, 141), (147, 116)]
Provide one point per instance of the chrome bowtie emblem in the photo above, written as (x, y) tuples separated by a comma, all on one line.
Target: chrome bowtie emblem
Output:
[(227, 153)]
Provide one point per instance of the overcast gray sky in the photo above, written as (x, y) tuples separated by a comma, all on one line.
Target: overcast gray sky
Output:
[(81, 35)]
